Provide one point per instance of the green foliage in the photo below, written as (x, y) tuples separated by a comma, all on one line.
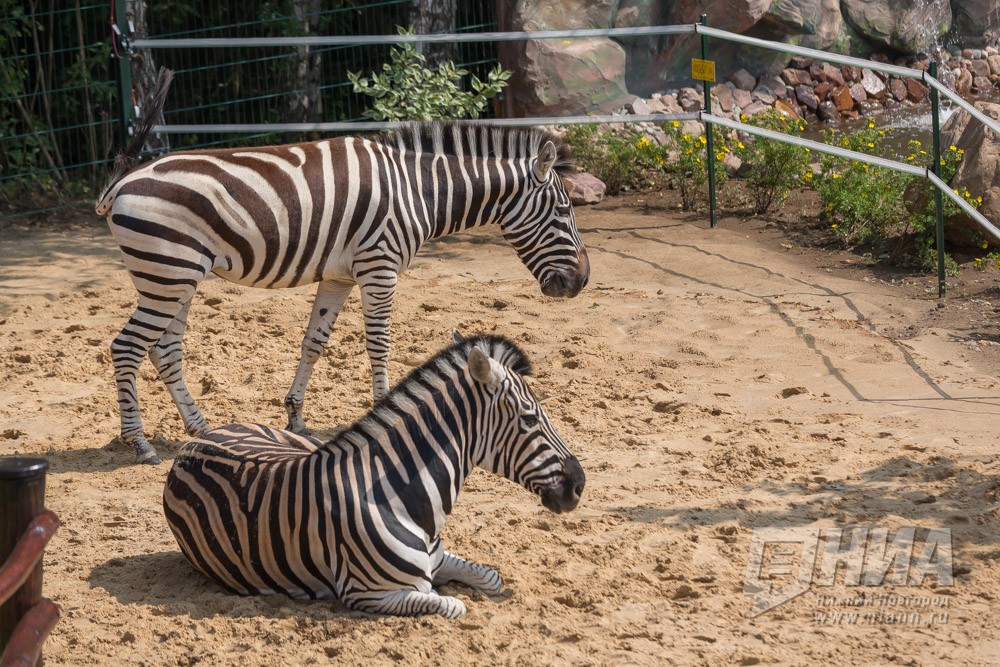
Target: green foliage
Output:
[(406, 90), (868, 203), (684, 160), (867, 200), (613, 155), (773, 168)]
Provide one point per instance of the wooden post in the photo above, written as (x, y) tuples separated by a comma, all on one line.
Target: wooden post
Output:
[(22, 498)]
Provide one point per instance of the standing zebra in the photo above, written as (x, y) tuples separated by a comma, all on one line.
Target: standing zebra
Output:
[(340, 212), (261, 511)]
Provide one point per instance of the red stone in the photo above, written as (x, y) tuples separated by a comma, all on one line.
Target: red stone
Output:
[(841, 97), (823, 89), (916, 91)]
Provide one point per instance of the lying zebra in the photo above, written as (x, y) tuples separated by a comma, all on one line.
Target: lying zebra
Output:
[(262, 510)]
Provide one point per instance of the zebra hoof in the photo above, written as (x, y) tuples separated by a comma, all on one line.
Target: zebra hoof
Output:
[(144, 453)]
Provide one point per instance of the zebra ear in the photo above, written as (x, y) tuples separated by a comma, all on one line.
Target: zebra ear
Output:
[(546, 158), (481, 367), (457, 337)]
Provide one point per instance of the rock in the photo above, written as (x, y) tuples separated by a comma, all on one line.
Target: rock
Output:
[(743, 80), (994, 63), (742, 98), (557, 77), (979, 68), (858, 92), (827, 111), (796, 77), (907, 26), (850, 72), (775, 85), (690, 99), (724, 96), (584, 188), (963, 82), (638, 107), (807, 97), (815, 23), (872, 84), (799, 62), (833, 75), (916, 91), (764, 95), (979, 170), (755, 108), (981, 85), (973, 18), (842, 99), (656, 106), (898, 89), (788, 109), (732, 164), (822, 90), (869, 107), (817, 73), (670, 104)]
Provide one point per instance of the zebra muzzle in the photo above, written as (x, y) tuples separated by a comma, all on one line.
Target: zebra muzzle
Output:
[(567, 284), (564, 496)]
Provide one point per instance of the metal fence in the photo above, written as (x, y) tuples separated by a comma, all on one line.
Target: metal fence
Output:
[(60, 110)]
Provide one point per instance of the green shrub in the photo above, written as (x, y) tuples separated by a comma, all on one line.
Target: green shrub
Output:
[(615, 155), (684, 161), (867, 200), (773, 168), (406, 90)]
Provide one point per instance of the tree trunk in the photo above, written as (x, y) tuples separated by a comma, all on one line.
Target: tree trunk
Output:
[(144, 72), (434, 16), (305, 102)]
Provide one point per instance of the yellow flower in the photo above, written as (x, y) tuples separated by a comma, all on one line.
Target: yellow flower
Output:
[(676, 123), (871, 126), (923, 152), (686, 137), (871, 145), (942, 162), (836, 175), (961, 152), (702, 139), (952, 148), (845, 142), (743, 118), (986, 244), (909, 157), (829, 206), (917, 142), (740, 144), (834, 226), (979, 200)]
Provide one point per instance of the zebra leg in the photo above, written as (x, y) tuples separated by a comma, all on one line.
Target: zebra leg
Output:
[(168, 357), (143, 330), (330, 298), (406, 603), (449, 567), (377, 290)]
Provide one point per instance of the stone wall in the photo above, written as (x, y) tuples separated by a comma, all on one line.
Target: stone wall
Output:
[(554, 77)]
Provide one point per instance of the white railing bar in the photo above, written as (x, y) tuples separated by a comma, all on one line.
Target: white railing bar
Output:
[(816, 145), (369, 126), (965, 206), (348, 40), (976, 113), (908, 72)]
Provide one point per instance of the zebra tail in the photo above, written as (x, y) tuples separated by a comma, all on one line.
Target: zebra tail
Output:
[(153, 107)]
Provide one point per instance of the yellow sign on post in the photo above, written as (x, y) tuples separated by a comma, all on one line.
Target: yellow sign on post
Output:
[(703, 70)]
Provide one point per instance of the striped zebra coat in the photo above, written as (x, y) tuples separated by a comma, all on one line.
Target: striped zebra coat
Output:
[(358, 518), (341, 212)]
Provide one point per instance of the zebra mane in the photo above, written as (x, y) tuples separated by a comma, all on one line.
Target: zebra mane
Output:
[(414, 387), (477, 140)]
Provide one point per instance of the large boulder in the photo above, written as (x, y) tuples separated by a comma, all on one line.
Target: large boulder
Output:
[(815, 23), (974, 18), (907, 26), (557, 77), (979, 170)]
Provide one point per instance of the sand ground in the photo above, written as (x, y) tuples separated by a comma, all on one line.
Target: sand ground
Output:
[(712, 382)]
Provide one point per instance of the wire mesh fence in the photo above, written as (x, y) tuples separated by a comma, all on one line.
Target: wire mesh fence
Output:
[(59, 97)]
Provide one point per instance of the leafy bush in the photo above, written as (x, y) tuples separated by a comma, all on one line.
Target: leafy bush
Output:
[(684, 160), (614, 155), (773, 168), (868, 200), (406, 90)]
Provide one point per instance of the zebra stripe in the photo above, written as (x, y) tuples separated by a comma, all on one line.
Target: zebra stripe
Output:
[(341, 212), (262, 510)]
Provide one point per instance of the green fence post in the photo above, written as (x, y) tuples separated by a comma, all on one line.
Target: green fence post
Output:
[(126, 108), (938, 195), (709, 143)]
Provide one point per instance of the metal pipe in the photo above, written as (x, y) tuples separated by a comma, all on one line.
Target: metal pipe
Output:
[(345, 40), (709, 144), (936, 170)]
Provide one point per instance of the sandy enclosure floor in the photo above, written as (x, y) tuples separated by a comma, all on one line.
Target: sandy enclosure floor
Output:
[(710, 385)]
